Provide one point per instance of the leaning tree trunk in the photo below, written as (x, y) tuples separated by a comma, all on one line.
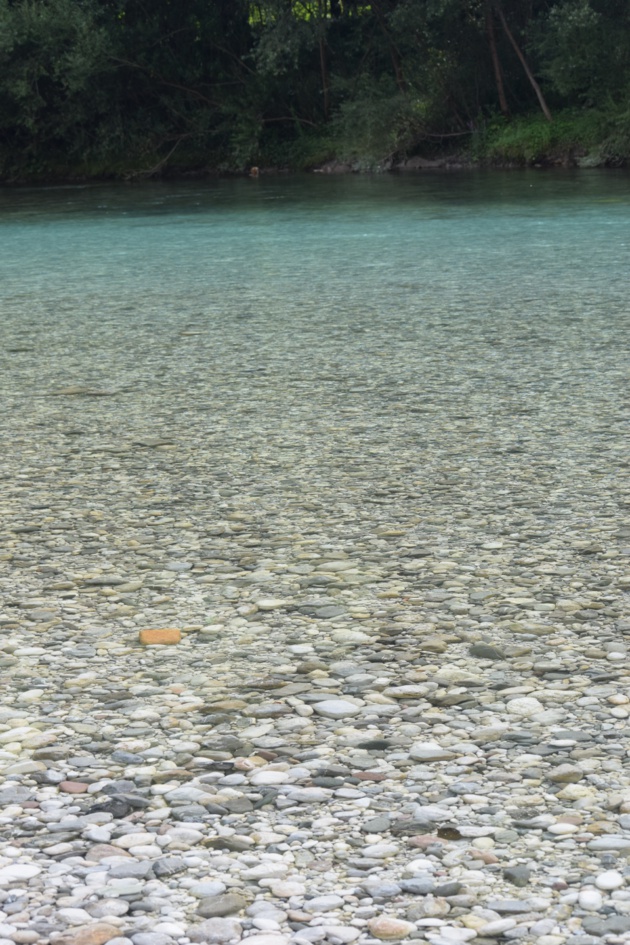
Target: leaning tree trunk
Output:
[(523, 61), (496, 62)]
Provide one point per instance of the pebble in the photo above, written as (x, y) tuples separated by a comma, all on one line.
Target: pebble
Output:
[(96, 934), (221, 905), (590, 899), (216, 930), (517, 875), (524, 707), (429, 751), (610, 880), (336, 709), (389, 929)]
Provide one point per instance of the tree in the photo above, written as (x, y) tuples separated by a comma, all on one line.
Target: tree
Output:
[(54, 73)]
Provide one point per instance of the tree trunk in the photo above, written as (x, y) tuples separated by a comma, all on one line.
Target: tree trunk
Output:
[(523, 61), (496, 62), (393, 51), (323, 64)]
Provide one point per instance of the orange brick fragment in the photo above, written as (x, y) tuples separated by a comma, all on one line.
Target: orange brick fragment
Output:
[(167, 635)]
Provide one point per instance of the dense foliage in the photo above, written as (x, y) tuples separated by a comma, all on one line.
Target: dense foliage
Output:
[(137, 86)]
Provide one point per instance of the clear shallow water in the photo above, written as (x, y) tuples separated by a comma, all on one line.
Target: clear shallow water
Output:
[(346, 332), (368, 422)]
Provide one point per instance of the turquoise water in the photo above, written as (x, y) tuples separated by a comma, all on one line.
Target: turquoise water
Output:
[(473, 322), (388, 246)]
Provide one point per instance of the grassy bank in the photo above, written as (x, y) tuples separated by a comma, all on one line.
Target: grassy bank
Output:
[(584, 138)]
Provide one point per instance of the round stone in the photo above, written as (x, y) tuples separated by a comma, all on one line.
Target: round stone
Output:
[(336, 709), (524, 707), (611, 879), (389, 929), (590, 899)]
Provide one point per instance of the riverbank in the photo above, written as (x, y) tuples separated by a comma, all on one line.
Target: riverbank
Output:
[(580, 139)]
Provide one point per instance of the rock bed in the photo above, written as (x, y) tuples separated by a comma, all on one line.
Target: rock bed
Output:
[(399, 708)]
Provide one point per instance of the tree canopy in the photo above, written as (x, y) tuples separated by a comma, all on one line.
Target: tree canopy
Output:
[(110, 86)]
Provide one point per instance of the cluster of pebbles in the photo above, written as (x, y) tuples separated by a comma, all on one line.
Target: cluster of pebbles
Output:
[(399, 708)]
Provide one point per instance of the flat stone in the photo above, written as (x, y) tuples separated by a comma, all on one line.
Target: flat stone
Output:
[(566, 774), (221, 905), (73, 787), (418, 886), (614, 925), (450, 935), (430, 751), (137, 870), (151, 938), (336, 709), (285, 888), (340, 934), (376, 824), (389, 929), (219, 930), (101, 851), (498, 927), (164, 636), (96, 934), (207, 889), (18, 873), (323, 903), (607, 842), (486, 651), (168, 866), (508, 906), (382, 889), (14, 794), (107, 907)]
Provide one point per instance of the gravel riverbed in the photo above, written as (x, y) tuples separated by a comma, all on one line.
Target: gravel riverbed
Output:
[(400, 567)]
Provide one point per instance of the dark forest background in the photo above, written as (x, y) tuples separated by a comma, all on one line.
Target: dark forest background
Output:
[(141, 87)]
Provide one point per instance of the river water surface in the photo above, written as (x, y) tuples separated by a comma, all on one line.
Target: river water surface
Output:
[(363, 442), (392, 326)]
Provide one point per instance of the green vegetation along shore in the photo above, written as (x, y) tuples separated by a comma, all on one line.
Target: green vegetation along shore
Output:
[(129, 89)]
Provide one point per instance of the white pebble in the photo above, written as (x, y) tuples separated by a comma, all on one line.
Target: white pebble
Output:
[(336, 708), (524, 707), (18, 871), (611, 879), (590, 899)]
